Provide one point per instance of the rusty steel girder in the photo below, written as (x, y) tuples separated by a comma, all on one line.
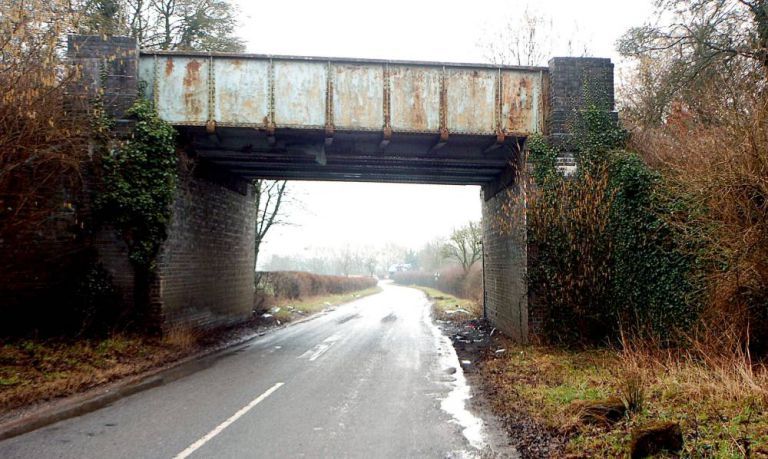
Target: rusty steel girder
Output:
[(270, 93)]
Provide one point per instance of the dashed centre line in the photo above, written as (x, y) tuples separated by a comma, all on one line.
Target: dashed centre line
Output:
[(321, 348)]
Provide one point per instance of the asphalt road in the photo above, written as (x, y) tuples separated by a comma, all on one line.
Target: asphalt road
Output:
[(373, 378)]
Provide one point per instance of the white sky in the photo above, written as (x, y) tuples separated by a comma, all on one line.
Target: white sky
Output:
[(336, 214)]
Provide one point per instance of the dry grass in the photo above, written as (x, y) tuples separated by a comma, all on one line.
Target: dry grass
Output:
[(291, 310), (181, 338), (33, 371), (449, 308), (721, 402)]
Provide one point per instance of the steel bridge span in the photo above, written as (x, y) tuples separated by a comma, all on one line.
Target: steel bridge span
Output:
[(243, 117)]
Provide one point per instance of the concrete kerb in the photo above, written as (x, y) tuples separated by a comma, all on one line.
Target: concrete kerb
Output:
[(95, 399)]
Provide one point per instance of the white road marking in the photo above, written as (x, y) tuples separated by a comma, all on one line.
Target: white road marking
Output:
[(321, 348), (196, 445)]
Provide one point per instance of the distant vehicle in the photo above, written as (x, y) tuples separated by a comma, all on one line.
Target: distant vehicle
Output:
[(399, 268)]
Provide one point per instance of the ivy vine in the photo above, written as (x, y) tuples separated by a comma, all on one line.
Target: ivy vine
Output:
[(140, 176), (630, 274)]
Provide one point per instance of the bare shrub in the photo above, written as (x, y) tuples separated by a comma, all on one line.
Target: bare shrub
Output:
[(472, 286), (719, 168), (294, 285), (451, 280), (41, 144)]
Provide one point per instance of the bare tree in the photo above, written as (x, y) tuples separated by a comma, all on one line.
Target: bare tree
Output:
[(201, 25), (371, 263), (270, 196), (693, 47), (703, 31), (346, 261), (523, 40), (465, 245)]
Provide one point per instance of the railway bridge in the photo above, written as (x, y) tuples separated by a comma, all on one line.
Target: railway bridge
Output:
[(242, 117)]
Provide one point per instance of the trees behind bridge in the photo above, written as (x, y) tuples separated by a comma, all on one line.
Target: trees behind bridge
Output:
[(190, 25)]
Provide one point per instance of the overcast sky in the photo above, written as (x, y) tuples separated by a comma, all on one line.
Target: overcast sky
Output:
[(336, 214)]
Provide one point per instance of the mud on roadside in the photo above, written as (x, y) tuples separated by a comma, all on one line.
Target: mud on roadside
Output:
[(511, 434)]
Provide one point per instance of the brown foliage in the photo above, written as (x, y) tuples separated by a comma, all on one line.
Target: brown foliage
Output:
[(451, 280), (718, 164), (41, 145)]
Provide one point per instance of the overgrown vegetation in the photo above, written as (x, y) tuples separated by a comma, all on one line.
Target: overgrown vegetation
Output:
[(663, 250), (697, 109), (138, 184), (604, 259), (52, 282)]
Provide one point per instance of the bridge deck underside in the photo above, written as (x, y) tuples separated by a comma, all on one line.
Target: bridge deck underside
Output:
[(353, 156)]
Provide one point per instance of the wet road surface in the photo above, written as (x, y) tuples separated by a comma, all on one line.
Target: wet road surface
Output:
[(372, 378)]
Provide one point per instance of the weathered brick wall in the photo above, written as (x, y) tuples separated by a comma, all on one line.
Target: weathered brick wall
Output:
[(108, 66), (206, 267), (575, 82), (504, 251), (112, 253)]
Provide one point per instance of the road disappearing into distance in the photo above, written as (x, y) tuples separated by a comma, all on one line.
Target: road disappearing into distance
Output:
[(372, 378)]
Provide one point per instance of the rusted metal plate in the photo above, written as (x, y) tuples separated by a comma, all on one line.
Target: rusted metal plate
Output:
[(415, 96), (300, 94), (471, 101), (182, 90), (297, 93), (358, 96), (521, 102), (241, 91)]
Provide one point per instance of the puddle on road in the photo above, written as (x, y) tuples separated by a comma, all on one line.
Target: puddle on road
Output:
[(346, 319), (389, 318)]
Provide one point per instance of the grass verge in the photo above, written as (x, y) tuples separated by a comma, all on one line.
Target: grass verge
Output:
[(39, 370), (290, 310), (450, 308), (721, 404)]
